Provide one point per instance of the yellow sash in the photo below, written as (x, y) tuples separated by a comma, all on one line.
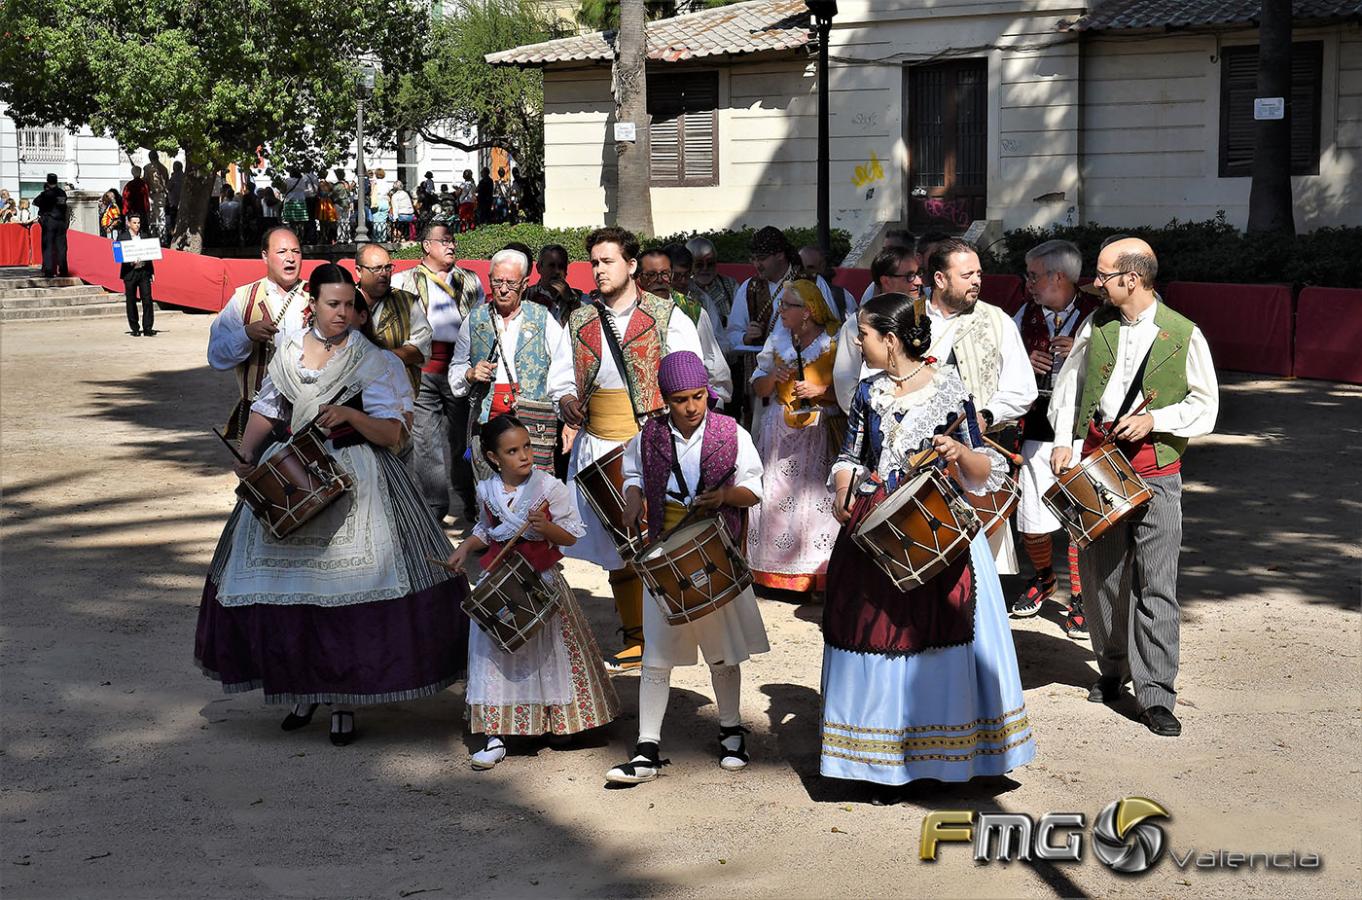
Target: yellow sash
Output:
[(610, 415), (672, 515)]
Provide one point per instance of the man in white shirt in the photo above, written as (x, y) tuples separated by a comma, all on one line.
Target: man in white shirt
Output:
[(617, 343), (439, 439), (655, 275), (242, 335), (895, 270), (900, 239), (1135, 346)]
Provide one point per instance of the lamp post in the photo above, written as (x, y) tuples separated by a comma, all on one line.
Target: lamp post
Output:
[(364, 88), (823, 12)]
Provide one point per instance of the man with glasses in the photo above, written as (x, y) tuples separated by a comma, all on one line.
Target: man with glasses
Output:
[(895, 270), (517, 351), (1048, 322), (655, 276), (1132, 351), (242, 335), (447, 293), (398, 317), (894, 239)]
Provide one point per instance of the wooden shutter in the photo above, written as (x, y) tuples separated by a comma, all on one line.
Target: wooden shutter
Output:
[(683, 133), (1239, 87)]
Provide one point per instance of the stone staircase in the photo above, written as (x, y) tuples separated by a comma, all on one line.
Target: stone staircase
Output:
[(25, 295)]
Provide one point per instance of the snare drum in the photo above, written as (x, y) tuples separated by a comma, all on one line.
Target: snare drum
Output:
[(997, 507), (602, 484), (511, 603), (918, 530), (694, 571), (1096, 494), (294, 485)]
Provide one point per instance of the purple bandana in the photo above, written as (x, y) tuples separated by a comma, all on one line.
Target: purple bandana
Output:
[(681, 371)]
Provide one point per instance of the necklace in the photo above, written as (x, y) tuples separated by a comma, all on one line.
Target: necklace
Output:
[(900, 379), (329, 343)]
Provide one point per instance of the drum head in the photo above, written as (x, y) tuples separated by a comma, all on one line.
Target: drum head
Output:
[(694, 533)]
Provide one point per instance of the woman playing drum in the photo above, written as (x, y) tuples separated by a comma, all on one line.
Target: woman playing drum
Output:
[(702, 460), (345, 610), (923, 683), (556, 683)]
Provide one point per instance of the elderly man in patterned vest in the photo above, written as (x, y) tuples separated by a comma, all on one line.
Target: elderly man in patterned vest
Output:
[(1135, 347), (983, 342), (618, 341)]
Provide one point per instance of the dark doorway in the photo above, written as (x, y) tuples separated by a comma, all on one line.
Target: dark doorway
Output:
[(947, 137)]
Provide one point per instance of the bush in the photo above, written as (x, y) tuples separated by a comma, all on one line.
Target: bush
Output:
[(1212, 250), (485, 240)]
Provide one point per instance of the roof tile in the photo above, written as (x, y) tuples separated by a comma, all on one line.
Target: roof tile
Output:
[(1118, 15)]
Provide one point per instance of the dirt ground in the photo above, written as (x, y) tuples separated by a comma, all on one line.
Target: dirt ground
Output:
[(127, 774)]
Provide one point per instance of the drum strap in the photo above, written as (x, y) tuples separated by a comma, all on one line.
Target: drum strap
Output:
[(1135, 387), (616, 351), (684, 489)]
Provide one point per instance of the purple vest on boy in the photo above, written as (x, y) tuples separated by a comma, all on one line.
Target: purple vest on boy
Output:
[(718, 453)]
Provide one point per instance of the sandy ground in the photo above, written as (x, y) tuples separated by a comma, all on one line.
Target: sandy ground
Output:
[(127, 774)]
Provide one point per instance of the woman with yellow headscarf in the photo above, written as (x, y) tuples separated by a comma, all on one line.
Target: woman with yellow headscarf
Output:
[(792, 532)]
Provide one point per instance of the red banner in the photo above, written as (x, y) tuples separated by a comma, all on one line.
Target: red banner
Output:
[(1248, 326), (1328, 334)]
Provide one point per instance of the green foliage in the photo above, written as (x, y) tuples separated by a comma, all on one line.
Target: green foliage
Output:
[(448, 86), (216, 77), (603, 15), (1212, 250), (731, 246)]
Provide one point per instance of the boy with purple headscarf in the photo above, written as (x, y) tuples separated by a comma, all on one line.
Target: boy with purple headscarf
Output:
[(692, 457)]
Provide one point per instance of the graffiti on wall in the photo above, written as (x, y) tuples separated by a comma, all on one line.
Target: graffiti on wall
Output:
[(868, 175), (956, 211)]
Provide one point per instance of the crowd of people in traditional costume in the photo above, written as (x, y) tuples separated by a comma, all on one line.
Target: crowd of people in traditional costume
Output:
[(705, 441)]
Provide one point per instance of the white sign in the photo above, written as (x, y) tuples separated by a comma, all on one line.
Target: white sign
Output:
[(624, 131), (1269, 108), (136, 250)]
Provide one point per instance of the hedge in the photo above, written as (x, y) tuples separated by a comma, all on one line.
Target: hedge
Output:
[(732, 246), (1212, 250)]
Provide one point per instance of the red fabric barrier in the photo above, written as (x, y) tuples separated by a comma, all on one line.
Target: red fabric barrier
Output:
[(1248, 326), (20, 245), (190, 280), (1328, 334), (90, 258), (1007, 291)]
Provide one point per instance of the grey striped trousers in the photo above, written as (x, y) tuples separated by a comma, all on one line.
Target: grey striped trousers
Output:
[(1130, 583)]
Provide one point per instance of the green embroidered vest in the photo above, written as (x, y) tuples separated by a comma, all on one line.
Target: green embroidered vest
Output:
[(531, 351), (1165, 376)]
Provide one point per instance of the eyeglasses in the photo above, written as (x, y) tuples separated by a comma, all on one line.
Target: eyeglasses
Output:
[(1032, 277), (449, 241), (655, 276), (1102, 279), (378, 270), (505, 284), (916, 274)]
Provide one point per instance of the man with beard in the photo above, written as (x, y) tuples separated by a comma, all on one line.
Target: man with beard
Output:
[(896, 270), (983, 342), (618, 341), (398, 318), (242, 335)]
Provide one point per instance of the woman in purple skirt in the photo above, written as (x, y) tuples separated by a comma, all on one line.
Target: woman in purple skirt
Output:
[(346, 610)]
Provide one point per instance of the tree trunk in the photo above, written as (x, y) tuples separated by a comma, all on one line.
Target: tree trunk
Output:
[(634, 203), (1270, 202), (195, 193)]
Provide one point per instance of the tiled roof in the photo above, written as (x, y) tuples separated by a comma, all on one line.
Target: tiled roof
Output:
[(1145, 14), (755, 27)]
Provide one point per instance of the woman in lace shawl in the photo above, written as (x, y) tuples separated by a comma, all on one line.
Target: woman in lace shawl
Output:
[(790, 535), (924, 683), (346, 610)]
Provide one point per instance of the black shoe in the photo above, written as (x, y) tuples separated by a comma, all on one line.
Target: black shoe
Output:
[(1161, 721), (1106, 690), (1075, 624), (733, 758), (150, 332), (295, 720), (342, 727), (645, 766), (1041, 587), (136, 334)]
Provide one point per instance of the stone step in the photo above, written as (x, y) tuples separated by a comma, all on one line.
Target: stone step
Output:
[(76, 293), (37, 281), (97, 310)]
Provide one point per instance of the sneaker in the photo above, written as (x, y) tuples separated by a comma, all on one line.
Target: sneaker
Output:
[(645, 766), (490, 755), (1036, 593), (1075, 623), (732, 748)]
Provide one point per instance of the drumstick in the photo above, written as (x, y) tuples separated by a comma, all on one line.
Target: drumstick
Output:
[(1014, 458), (1107, 438), (690, 513), (927, 457), (239, 458), (444, 564), (515, 538)]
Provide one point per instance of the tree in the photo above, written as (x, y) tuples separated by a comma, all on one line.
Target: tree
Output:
[(216, 78), (604, 15), (634, 204), (1270, 203), (450, 87)]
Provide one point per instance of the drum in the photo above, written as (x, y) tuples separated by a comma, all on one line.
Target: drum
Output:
[(1096, 494), (995, 508), (297, 482), (694, 571), (602, 484), (511, 603), (918, 530)]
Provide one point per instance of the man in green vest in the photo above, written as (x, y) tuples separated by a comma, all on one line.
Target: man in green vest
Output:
[(1131, 350)]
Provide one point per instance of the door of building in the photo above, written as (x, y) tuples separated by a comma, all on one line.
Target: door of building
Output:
[(947, 138)]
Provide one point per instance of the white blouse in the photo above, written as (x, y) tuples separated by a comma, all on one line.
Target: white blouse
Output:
[(748, 462), (512, 507), (387, 397)]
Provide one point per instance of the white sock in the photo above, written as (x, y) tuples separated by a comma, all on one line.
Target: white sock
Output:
[(493, 742), (727, 681), (654, 690)]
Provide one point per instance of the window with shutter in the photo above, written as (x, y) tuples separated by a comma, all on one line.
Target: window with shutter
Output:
[(1239, 87), (684, 129)]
